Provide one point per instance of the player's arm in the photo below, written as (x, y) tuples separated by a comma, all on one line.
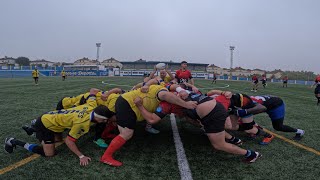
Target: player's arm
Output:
[(169, 73), (151, 118), (173, 99), (194, 88), (146, 86), (70, 142), (227, 94), (94, 91), (314, 84), (258, 108), (151, 76), (191, 80)]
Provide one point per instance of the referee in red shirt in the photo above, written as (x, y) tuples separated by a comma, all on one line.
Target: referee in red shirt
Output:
[(183, 74)]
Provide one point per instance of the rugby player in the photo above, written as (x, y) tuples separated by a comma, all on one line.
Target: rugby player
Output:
[(127, 113), (255, 82), (35, 75), (214, 80), (317, 89), (50, 125), (183, 74), (264, 81), (275, 108), (63, 75), (285, 81), (212, 116)]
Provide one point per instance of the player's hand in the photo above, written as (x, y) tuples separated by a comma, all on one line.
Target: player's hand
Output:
[(84, 161), (228, 94), (144, 89), (191, 104), (138, 101)]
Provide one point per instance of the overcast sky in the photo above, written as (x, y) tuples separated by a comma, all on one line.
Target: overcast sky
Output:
[(267, 34)]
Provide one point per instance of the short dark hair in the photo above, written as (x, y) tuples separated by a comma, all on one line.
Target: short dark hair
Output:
[(184, 62)]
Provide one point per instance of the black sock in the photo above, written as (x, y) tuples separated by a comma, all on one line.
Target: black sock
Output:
[(18, 142)]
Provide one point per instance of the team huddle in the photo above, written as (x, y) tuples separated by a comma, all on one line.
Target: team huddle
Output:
[(114, 113)]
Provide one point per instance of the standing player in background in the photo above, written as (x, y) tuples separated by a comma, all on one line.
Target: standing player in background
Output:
[(35, 75), (255, 82), (264, 80), (183, 74), (317, 90), (214, 80), (63, 75), (285, 81)]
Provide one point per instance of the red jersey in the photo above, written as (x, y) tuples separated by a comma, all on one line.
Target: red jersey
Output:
[(223, 100), (183, 76), (317, 79), (165, 108), (254, 78), (285, 78)]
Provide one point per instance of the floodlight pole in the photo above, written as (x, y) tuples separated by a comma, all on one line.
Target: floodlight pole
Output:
[(231, 59), (98, 45)]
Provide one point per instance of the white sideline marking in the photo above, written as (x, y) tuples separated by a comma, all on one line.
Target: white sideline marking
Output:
[(183, 164)]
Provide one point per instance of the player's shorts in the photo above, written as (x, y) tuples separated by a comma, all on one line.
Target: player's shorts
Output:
[(317, 89), (277, 113), (264, 81), (285, 82), (124, 114), (255, 82), (42, 133), (35, 78), (215, 120), (59, 105)]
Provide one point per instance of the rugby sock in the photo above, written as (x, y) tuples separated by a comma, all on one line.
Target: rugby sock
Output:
[(107, 133), (18, 142), (115, 145)]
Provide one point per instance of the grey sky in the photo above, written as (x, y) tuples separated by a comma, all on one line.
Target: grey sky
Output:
[(267, 34)]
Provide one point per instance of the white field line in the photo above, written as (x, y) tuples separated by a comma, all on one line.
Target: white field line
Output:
[(183, 164)]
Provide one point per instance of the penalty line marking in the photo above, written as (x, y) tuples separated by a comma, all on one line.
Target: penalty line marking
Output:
[(23, 161), (183, 164), (293, 143)]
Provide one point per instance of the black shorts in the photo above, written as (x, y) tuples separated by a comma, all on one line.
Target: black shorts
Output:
[(35, 78), (285, 82), (42, 133), (264, 81), (215, 120), (124, 114), (256, 82), (59, 105), (317, 90)]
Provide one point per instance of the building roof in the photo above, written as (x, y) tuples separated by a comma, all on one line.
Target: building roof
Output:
[(41, 61)]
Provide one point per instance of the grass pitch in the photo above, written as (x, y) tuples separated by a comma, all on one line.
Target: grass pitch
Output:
[(148, 156)]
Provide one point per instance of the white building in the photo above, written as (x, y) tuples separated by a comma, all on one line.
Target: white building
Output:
[(42, 63)]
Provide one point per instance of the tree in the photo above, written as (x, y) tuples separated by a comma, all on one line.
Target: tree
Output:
[(23, 61)]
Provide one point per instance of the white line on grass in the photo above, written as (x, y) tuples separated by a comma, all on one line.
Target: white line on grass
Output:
[(183, 164)]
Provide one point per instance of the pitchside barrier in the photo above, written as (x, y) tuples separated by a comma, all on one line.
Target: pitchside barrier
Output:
[(56, 71)]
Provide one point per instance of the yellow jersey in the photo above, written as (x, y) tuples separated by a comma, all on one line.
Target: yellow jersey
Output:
[(35, 73), (110, 102), (76, 119), (63, 73), (167, 79), (69, 102), (149, 99)]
